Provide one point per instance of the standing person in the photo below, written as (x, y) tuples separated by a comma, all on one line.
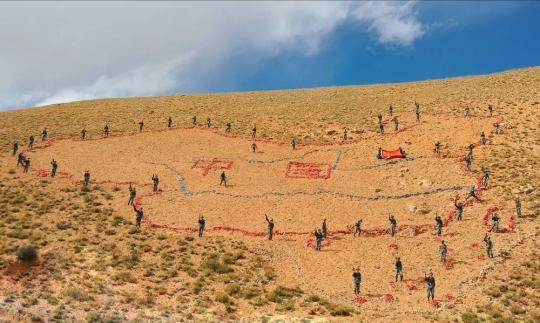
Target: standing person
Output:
[(83, 133), (497, 128), (390, 110), (106, 130), (345, 134), (208, 122), (253, 147), (472, 193), (54, 166), (270, 227), (438, 225), (517, 203), (437, 148), (20, 160), (194, 120), (417, 111), (430, 282), (155, 181), (202, 223), (482, 138), (44, 134), (169, 122), (489, 246), (15, 148), (485, 177), (141, 125), (324, 229), (357, 228), (399, 269), (132, 194), (318, 239), (470, 151), (254, 132), (468, 162), (30, 141), (443, 251), (293, 143), (490, 109), (396, 122), (357, 279), (26, 164), (495, 220), (381, 128), (459, 209), (86, 178), (228, 127), (138, 215), (379, 118), (223, 179), (467, 111), (393, 225)]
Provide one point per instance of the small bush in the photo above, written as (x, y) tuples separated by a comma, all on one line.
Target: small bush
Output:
[(232, 289), (27, 254), (223, 298), (342, 310), (469, 317)]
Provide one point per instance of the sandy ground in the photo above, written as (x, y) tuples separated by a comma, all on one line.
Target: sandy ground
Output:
[(359, 186)]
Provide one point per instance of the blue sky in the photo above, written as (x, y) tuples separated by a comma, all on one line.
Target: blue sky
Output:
[(62, 51)]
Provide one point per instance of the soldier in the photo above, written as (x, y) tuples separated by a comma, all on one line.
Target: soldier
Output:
[(345, 134), (379, 153), (86, 177), (44, 134), (208, 122), (26, 164), (228, 127), (318, 239), (391, 109), (489, 246), (30, 141), (169, 122), (396, 123), (223, 179), (482, 138), (459, 210), (357, 279), (472, 193), (253, 147), (202, 223), (490, 109), (437, 148), (495, 219), (381, 128), (254, 132), (270, 227), (138, 216), (497, 128), (393, 225), (485, 177), (467, 111), (15, 148), (106, 131), (438, 224), (417, 111), (20, 159), (517, 203), (443, 251), (293, 143), (83, 133), (430, 281), (141, 125), (399, 269), (132, 194), (468, 162), (54, 166), (357, 228), (194, 120), (379, 117), (155, 181), (324, 229), (470, 152)]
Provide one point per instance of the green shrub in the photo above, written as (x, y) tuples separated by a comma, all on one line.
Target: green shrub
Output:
[(27, 253)]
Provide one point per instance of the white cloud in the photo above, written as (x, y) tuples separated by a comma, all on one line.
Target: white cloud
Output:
[(64, 51)]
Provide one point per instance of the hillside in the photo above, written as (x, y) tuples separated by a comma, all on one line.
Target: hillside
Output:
[(94, 264)]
